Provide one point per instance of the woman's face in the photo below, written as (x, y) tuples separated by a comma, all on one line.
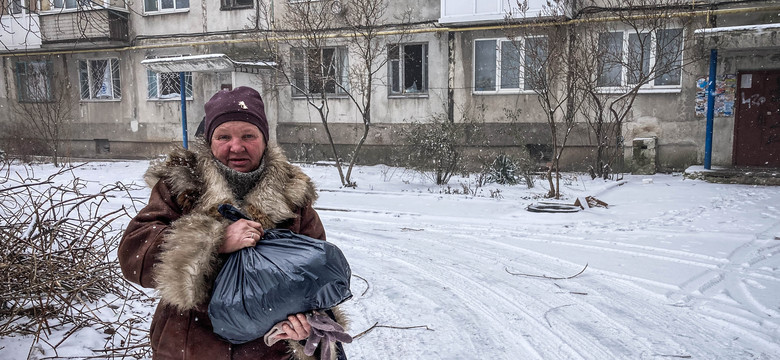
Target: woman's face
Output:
[(239, 145)]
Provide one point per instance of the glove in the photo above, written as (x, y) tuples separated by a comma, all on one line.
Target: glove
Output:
[(324, 331)]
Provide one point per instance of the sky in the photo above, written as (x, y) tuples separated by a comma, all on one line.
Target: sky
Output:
[(673, 267)]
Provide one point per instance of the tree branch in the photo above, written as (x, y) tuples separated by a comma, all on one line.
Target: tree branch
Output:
[(548, 277)]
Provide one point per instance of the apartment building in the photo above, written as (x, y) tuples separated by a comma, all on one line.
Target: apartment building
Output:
[(120, 67)]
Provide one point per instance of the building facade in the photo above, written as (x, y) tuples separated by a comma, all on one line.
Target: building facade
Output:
[(458, 59)]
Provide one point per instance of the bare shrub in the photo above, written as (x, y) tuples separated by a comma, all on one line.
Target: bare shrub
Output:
[(433, 147), (58, 269)]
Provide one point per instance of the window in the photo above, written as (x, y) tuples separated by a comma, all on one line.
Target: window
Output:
[(237, 4), (669, 57), (99, 79), (11, 7), (70, 4), (34, 81), (509, 65), (165, 5), (629, 57), (167, 86), (317, 71), (408, 69)]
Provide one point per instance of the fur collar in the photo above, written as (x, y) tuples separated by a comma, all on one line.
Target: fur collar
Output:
[(194, 179), (189, 260)]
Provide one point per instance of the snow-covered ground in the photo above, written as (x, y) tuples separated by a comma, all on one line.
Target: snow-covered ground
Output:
[(676, 268)]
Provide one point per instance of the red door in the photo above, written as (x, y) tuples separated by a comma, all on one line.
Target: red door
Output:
[(757, 119)]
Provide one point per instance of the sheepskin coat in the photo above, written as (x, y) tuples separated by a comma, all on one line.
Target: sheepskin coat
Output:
[(172, 246)]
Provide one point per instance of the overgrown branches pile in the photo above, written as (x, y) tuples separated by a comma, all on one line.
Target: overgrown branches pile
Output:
[(58, 269)]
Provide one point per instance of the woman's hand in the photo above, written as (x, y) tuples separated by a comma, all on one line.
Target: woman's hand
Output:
[(299, 330), (240, 234)]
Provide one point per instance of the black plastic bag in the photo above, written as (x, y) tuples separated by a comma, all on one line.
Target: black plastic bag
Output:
[(286, 273)]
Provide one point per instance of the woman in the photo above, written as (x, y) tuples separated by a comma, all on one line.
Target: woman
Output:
[(177, 243)]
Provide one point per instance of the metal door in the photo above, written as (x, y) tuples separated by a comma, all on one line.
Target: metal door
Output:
[(757, 119)]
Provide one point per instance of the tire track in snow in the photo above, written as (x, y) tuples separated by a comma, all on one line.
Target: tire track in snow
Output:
[(727, 274), (612, 330), (578, 334), (732, 281), (483, 298), (458, 297), (696, 334), (645, 317)]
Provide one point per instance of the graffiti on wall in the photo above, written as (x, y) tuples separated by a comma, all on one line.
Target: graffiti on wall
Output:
[(725, 91)]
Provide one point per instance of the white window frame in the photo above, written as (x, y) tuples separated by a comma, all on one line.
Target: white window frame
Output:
[(652, 58), (160, 10), (110, 89), (341, 68), (155, 78), (396, 71), (70, 5), (500, 43)]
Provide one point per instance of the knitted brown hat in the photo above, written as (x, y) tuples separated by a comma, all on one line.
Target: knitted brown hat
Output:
[(240, 104)]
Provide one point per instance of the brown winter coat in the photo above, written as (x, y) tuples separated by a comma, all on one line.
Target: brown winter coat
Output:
[(171, 245)]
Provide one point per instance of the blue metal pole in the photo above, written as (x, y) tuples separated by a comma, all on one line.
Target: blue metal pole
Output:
[(710, 109), (183, 91)]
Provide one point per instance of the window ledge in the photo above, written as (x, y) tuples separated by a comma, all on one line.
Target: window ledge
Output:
[(408, 96), (247, 7), (317, 97), (662, 90), (100, 100), (169, 100), (505, 92), (166, 12)]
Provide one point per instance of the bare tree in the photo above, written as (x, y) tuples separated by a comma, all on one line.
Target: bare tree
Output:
[(641, 46), (331, 49), (370, 46), (544, 53), (43, 109), (299, 56)]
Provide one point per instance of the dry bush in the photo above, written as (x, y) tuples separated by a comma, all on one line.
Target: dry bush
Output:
[(58, 266)]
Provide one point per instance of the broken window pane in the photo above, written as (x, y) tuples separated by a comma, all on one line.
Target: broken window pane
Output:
[(321, 71), (408, 67)]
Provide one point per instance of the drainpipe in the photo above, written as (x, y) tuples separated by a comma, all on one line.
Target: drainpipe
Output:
[(183, 91), (451, 76), (710, 109)]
